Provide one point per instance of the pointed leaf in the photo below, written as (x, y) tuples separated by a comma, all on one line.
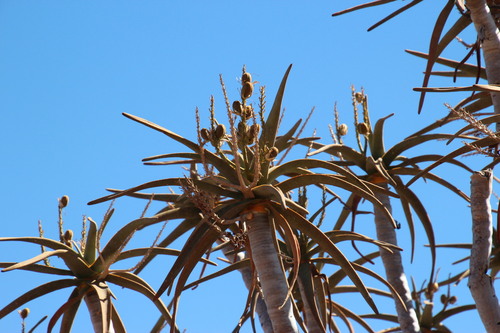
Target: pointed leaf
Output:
[(142, 287), (270, 128), (69, 310), (484, 142), (231, 268), (376, 139), (91, 245), (39, 291), (298, 222), (433, 47)]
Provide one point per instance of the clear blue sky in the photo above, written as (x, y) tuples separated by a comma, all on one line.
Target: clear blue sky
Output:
[(69, 69)]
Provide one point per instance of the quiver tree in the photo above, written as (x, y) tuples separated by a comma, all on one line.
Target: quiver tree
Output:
[(241, 198)]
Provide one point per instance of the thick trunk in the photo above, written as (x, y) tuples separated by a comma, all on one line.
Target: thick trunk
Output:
[(246, 274), (479, 281), (394, 268), (272, 279), (489, 36)]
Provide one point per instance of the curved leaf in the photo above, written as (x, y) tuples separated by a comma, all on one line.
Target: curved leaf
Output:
[(270, 128), (376, 138), (39, 291), (298, 222)]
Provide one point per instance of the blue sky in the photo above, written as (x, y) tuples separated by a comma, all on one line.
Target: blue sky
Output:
[(69, 69)]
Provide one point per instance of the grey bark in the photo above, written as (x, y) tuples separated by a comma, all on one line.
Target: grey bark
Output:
[(480, 283), (489, 36), (271, 276), (394, 268), (246, 274)]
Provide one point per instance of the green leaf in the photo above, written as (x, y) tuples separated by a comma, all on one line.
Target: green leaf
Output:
[(376, 139), (91, 245), (270, 128)]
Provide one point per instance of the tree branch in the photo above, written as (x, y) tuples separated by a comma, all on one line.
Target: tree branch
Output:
[(480, 283), (489, 37)]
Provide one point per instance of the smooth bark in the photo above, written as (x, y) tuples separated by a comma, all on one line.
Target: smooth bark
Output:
[(394, 268), (480, 283), (312, 325), (246, 274), (489, 37), (271, 276)]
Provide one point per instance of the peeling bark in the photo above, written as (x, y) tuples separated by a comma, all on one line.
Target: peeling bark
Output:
[(480, 283), (394, 268)]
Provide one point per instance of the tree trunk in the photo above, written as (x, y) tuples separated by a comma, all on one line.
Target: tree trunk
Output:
[(271, 276), (480, 283), (394, 268), (312, 324), (489, 37), (246, 274)]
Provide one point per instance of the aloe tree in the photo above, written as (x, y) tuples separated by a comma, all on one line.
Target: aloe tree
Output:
[(89, 272), (243, 196), (484, 16), (385, 167)]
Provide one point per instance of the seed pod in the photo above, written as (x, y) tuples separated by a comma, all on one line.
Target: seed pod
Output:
[(24, 313), (414, 295), (253, 132), (63, 201), (271, 154), (248, 113), (68, 236), (342, 130), (359, 97), (205, 134), (246, 90), (444, 299), (246, 77), (363, 129), (453, 299), (237, 107), (220, 131), (434, 287)]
